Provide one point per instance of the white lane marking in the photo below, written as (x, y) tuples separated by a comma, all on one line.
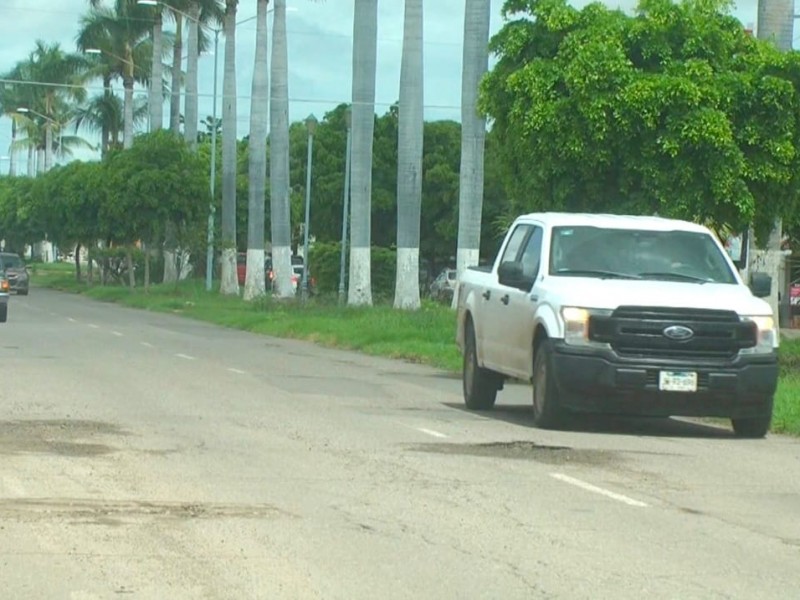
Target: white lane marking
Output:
[(117, 333), (147, 344), (237, 371), (71, 320), (598, 490), (93, 326), (430, 432), (52, 314), (185, 356)]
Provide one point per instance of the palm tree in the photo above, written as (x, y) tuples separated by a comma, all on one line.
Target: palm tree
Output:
[(409, 159), (121, 37), (103, 113), (365, 42), (201, 13), (10, 99), (63, 73), (229, 283), (280, 205), (473, 134), (255, 284)]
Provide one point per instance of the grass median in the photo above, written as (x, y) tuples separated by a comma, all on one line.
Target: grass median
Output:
[(425, 336)]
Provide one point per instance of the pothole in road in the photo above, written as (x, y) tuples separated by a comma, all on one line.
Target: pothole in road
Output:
[(60, 437), (525, 450), (119, 512)]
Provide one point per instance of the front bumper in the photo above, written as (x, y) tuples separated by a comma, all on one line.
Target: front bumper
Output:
[(17, 283), (598, 380)]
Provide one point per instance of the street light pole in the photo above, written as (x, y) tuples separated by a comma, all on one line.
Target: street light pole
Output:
[(348, 116), (212, 207), (311, 125)]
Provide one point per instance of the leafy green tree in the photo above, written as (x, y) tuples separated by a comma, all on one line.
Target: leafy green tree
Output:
[(675, 111), (159, 180)]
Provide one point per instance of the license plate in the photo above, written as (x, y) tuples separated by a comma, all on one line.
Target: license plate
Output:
[(677, 381)]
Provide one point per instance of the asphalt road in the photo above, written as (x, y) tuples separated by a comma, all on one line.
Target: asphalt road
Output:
[(151, 456)]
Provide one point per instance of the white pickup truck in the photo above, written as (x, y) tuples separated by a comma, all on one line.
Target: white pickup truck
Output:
[(619, 315)]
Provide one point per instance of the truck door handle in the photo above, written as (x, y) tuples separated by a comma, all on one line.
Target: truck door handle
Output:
[(487, 294), (504, 299)]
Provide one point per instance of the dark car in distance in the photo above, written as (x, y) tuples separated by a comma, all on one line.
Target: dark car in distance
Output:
[(13, 268)]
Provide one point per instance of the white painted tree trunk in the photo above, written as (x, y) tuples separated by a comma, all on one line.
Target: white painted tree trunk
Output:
[(255, 284), (280, 207), (365, 42), (190, 120), (409, 159), (229, 283), (473, 135), (156, 97)]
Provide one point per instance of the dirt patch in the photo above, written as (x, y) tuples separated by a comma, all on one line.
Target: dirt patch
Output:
[(525, 450), (115, 513), (60, 437)]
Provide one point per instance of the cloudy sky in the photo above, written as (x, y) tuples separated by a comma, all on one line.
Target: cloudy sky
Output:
[(320, 50)]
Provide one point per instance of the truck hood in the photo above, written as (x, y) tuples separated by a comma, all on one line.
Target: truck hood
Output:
[(609, 294)]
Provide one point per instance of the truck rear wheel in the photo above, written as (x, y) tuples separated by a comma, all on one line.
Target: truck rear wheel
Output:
[(547, 411), (753, 427), (480, 385)]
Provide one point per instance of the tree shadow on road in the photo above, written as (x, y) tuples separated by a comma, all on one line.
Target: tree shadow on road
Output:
[(520, 415)]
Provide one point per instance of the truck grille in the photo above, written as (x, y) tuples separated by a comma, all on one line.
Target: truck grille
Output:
[(638, 332)]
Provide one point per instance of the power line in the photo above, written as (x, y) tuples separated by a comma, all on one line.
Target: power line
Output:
[(220, 95)]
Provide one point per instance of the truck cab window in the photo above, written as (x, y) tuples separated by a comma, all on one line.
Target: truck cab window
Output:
[(532, 254), (515, 243)]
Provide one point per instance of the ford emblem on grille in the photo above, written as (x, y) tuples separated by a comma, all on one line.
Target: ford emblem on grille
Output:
[(679, 333)]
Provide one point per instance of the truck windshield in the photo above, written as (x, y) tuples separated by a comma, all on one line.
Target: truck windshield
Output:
[(637, 254)]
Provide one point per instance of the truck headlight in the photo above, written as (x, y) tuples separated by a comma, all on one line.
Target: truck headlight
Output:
[(576, 325), (766, 335)]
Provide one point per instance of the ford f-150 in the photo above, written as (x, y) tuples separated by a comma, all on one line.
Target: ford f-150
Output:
[(619, 315)]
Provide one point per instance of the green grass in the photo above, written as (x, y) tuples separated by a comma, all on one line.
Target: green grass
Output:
[(425, 336)]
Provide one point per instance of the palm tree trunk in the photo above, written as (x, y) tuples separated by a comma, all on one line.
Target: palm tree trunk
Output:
[(280, 206), (105, 135), (255, 284), (175, 99), (190, 97), (365, 42), (31, 161), (229, 283), (127, 134), (473, 134), (12, 151), (48, 146), (39, 160), (409, 159), (156, 97)]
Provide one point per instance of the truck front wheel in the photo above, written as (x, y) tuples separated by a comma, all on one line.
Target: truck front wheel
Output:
[(480, 385), (547, 411), (753, 427)]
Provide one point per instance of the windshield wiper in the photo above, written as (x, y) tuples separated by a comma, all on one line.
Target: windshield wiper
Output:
[(596, 273), (681, 276)]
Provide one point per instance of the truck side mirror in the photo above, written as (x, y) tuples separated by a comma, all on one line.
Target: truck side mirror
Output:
[(510, 273), (760, 284)]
